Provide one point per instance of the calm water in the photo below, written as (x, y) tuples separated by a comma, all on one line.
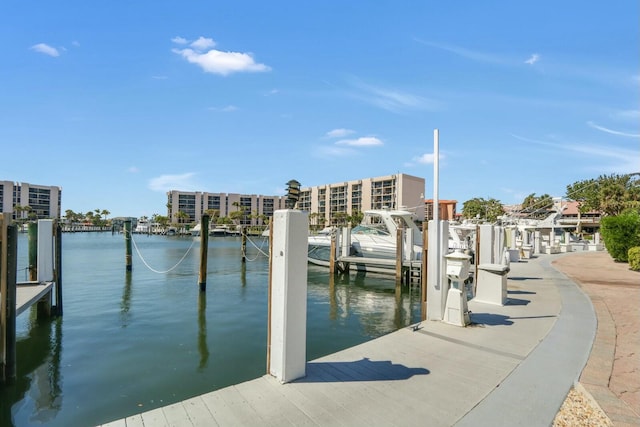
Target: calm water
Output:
[(128, 343)]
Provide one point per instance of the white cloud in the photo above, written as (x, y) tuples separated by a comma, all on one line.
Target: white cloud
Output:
[(425, 159), (466, 53), (179, 40), (166, 183), (216, 61), (227, 109), (393, 100), (46, 49), (272, 92), (75, 43), (611, 131), (203, 43), (159, 77), (339, 133), (133, 169), (621, 160), (533, 59), (367, 141)]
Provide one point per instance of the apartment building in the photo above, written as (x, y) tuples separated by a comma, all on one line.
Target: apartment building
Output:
[(329, 202), (26, 200), (447, 209), (194, 204)]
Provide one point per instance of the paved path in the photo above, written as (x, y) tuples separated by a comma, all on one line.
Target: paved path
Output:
[(612, 374), (513, 366)]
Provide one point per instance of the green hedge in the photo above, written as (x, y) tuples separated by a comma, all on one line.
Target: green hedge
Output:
[(634, 258), (621, 233)]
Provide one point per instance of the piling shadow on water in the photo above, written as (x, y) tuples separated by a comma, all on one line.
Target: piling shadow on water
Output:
[(359, 370)]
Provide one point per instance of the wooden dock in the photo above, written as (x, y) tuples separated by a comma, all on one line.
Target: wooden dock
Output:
[(513, 366), (29, 293), (45, 262)]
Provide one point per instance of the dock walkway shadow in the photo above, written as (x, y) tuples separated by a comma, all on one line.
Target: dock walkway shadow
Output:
[(359, 370)]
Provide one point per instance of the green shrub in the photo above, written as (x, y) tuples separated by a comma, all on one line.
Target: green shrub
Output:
[(620, 233), (634, 258)]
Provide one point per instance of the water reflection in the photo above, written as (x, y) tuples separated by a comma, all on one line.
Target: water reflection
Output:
[(368, 298), (125, 304), (203, 348), (38, 379)]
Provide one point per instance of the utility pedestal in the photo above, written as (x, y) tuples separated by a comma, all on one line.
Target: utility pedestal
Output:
[(456, 310), (491, 285)]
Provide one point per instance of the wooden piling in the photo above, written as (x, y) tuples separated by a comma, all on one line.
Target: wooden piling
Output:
[(32, 238), (423, 271), (8, 266), (332, 255), (399, 247), (244, 244), (58, 268), (127, 242), (204, 251), (5, 218)]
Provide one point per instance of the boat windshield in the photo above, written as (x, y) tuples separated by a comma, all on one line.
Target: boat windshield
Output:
[(373, 225)]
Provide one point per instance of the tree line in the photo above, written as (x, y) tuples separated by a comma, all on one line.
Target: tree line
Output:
[(610, 195)]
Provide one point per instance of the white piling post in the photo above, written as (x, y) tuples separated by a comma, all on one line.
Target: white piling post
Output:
[(345, 241), (437, 283), (537, 242), (487, 239), (288, 295), (45, 250)]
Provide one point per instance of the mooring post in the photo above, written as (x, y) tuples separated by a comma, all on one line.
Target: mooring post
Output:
[(127, 242), (32, 238), (332, 254), (269, 293), (204, 250), (5, 218), (58, 268), (399, 235), (423, 270), (476, 259), (8, 265), (288, 300), (12, 265), (244, 243)]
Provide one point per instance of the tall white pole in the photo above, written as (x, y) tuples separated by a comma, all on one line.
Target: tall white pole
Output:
[(436, 178), (435, 292), (436, 197)]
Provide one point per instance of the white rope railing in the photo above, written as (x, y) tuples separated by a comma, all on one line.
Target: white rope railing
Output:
[(159, 271), (260, 251)]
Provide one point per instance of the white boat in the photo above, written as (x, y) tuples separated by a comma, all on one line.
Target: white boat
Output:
[(374, 237), (142, 227), (220, 230), (195, 231)]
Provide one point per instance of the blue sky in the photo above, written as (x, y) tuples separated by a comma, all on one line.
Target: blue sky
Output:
[(118, 102)]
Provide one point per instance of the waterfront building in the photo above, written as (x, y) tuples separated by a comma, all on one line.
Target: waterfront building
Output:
[(446, 212), (26, 200), (329, 204), (187, 207), (326, 204)]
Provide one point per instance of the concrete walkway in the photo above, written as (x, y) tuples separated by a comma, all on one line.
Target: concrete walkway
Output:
[(612, 374), (513, 366)]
